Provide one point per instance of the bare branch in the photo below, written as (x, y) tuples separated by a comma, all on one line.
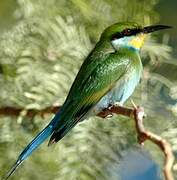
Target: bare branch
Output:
[(137, 114), (12, 111), (143, 135)]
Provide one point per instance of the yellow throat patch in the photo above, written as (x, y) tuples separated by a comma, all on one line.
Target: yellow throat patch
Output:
[(138, 41)]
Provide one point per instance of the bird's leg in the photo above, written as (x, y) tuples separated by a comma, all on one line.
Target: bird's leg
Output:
[(106, 112), (116, 108)]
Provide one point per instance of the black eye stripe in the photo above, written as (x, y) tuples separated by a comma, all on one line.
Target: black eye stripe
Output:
[(126, 32), (117, 36)]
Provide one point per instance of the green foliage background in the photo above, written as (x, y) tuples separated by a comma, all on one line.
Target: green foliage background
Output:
[(40, 54)]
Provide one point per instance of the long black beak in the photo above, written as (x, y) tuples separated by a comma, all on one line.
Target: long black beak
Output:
[(149, 29)]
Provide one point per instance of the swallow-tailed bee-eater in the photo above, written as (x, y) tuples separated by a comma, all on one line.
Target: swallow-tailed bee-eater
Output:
[(108, 75)]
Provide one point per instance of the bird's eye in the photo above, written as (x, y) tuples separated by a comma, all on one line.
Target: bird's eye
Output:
[(127, 32)]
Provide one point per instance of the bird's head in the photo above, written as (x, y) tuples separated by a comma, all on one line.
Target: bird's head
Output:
[(129, 34)]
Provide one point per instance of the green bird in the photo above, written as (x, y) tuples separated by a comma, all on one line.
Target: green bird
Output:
[(108, 75)]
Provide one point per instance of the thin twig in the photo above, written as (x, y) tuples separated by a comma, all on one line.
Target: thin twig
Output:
[(12, 111), (137, 114), (144, 135)]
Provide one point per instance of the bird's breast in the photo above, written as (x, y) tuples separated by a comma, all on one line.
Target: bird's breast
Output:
[(123, 88), (126, 86)]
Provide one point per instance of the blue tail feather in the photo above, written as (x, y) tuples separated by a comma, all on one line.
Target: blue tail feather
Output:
[(34, 144), (39, 139)]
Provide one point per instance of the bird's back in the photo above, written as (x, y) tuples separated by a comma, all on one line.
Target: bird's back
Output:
[(105, 77)]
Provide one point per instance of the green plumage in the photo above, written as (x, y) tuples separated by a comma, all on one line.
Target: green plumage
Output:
[(99, 74), (108, 75)]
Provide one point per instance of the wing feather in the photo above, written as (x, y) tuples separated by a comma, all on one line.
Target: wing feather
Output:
[(88, 88)]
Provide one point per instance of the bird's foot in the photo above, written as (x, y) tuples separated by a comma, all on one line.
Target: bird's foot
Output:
[(106, 113)]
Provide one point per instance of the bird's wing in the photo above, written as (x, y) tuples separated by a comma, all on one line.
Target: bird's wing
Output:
[(95, 78)]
